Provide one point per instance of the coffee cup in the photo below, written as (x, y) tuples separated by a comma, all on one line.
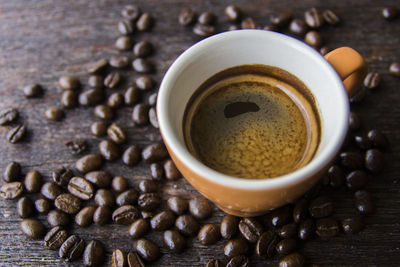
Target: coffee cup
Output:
[(330, 79)]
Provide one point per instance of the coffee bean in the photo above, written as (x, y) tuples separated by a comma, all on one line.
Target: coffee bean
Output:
[(327, 227), (266, 243), (354, 121), (233, 13), (8, 115), (69, 99), (251, 229), (394, 69), (149, 201), (331, 17), (69, 83), (372, 80), (97, 67), (306, 229), (115, 100), (390, 13), (249, 23), (126, 27), (313, 38), (154, 152), (324, 50), (72, 248), (93, 254), (42, 205), (96, 81), (203, 30), (55, 238), (298, 26), (57, 218), (235, 247), (112, 80), (362, 142), (238, 261), (187, 225), (81, 188), (118, 258), (292, 260), (119, 184), (147, 186), (33, 90), (187, 16), (156, 171), (77, 146), (32, 228), (12, 172), (142, 65), (138, 228), (336, 176), (62, 175), (50, 190), (200, 208), (131, 12), (363, 202), (174, 241), (162, 221), (145, 83), (214, 263), (98, 128), (207, 18), (102, 215), (85, 216), (147, 249), (321, 207), (124, 43), (377, 139), (352, 225), (281, 19), (54, 114), (109, 150), (134, 260), (131, 96), (313, 18), (104, 197), (101, 179), (356, 180), (16, 134), (125, 215), (286, 246), (145, 22), (128, 197), (91, 97), (229, 226), (25, 207), (152, 100), (374, 160), (281, 216), (119, 62), (351, 160), (300, 210), (209, 234), (177, 205), (170, 170), (68, 203), (288, 230), (116, 133), (143, 49)]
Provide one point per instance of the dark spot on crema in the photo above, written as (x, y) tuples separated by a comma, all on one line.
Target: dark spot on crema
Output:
[(235, 109)]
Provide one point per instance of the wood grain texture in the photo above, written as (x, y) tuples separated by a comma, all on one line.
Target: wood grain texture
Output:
[(40, 40)]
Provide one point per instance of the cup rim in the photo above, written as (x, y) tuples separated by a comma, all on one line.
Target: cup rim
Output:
[(179, 149)]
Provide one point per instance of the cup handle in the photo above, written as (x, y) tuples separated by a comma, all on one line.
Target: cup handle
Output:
[(350, 66)]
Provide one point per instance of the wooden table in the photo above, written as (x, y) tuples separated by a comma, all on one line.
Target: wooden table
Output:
[(40, 40)]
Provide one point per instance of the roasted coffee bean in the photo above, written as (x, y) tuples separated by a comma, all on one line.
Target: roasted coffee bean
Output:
[(153, 117), (174, 241), (156, 171), (97, 67), (116, 133), (177, 205), (12, 172), (125, 215), (119, 62), (68, 203), (351, 160), (394, 69), (378, 139), (50, 190), (306, 229), (62, 175), (331, 17), (69, 83), (149, 201), (125, 27), (77, 146), (154, 152), (352, 225), (102, 215), (187, 16), (292, 260), (300, 210), (54, 114), (214, 263), (91, 97), (327, 227), (162, 220), (33, 90), (209, 234), (134, 260), (372, 80), (281, 19), (101, 179), (72, 248), (145, 22), (313, 38), (235, 247), (281, 216), (336, 176), (8, 115), (112, 80), (85, 216), (16, 134), (203, 30), (147, 186), (251, 229), (324, 50), (363, 202), (145, 83), (313, 18), (128, 197), (32, 228), (115, 100), (98, 128), (187, 225), (139, 228), (356, 179), (131, 155), (131, 95), (152, 100), (119, 184), (288, 230), (96, 81), (55, 237), (69, 99), (354, 121), (286, 246), (229, 226), (390, 13), (104, 197), (238, 261), (249, 23), (81, 188), (207, 18), (266, 244), (25, 207), (233, 13), (374, 160), (143, 49), (142, 65), (298, 26), (94, 253), (131, 12), (147, 249), (321, 207), (57, 218), (109, 150), (42, 205), (124, 43), (118, 259), (170, 170), (200, 208), (90, 162), (362, 142)]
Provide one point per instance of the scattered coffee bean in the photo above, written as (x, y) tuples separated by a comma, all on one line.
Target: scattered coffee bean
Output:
[(288, 230), (229, 226), (321, 207), (145, 22), (292, 260), (118, 259), (16, 134), (116, 133), (174, 241), (131, 12), (286, 246), (281, 216), (8, 115), (91, 97), (203, 30), (54, 114), (177, 205), (372, 80), (300, 210), (94, 254), (69, 99), (128, 197), (390, 13), (85, 216), (124, 43), (98, 128), (327, 227), (109, 150), (147, 186), (378, 139), (363, 202), (187, 16), (331, 17), (142, 65), (394, 69), (149, 201), (102, 215), (57, 218), (131, 96), (356, 180), (207, 18), (351, 160), (77, 146), (115, 100), (33, 90), (298, 26), (362, 142), (55, 238), (233, 13), (97, 67), (187, 225), (12, 172), (200, 208), (119, 184), (306, 229), (152, 100), (139, 228), (374, 160), (313, 38), (104, 197), (134, 260), (125, 215), (50, 190), (238, 261), (147, 249), (101, 179), (235, 247), (162, 221), (33, 181), (352, 225), (96, 81), (143, 49), (209, 234), (62, 175), (170, 170), (145, 83), (154, 152), (69, 83), (156, 171), (42, 205), (81, 188), (251, 229), (266, 244), (336, 176), (119, 62), (214, 263), (313, 18), (281, 19), (324, 50), (354, 121), (249, 23), (112, 80), (68, 203), (25, 207), (32, 228), (125, 27), (131, 155), (72, 248)]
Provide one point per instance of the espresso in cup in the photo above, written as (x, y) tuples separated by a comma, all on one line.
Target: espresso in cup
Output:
[(253, 122)]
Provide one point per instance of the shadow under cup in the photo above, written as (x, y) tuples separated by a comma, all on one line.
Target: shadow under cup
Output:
[(249, 197)]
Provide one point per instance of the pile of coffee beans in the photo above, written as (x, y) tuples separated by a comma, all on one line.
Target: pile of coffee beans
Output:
[(86, 194)]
